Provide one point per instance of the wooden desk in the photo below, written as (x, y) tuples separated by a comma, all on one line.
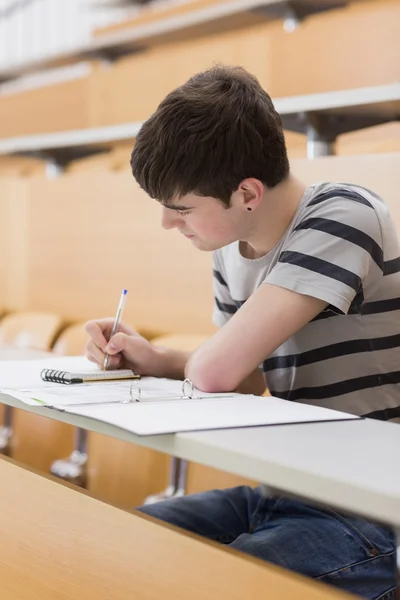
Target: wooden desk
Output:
[(59, 543), (35, 441), (315, 461), (212, 18)]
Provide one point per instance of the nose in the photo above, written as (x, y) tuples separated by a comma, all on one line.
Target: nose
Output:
[(169, 218)]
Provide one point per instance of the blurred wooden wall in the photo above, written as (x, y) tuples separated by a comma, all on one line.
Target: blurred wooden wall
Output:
[(352, 47)]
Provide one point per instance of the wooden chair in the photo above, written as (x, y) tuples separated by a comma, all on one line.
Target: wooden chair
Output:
[(87, 549), (34, 330), (71, 341)]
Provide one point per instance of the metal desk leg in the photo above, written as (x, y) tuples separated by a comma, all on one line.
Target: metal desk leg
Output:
[(319, 143), (74, 467), (176, 484), (6, 431), (181, 484)]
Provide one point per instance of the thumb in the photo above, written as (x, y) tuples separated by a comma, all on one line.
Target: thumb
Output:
[(117, 343)]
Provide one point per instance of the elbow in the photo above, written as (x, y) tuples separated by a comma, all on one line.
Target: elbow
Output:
[(210, 378)]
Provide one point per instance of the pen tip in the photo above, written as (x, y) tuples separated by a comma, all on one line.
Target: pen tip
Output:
[(125, 292)]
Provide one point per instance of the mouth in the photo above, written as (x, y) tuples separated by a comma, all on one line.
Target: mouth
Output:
[(187, 236)]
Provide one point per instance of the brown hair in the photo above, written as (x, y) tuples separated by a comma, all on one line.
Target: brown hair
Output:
[(206, 136)]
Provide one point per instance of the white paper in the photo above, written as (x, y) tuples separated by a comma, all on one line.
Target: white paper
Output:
[(148, 418), (57, 394), (160, 409), (26, 373)]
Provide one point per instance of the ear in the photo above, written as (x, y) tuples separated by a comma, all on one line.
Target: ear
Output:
[(251, 191)]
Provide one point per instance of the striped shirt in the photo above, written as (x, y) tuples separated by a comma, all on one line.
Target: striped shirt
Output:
[(341, 247)]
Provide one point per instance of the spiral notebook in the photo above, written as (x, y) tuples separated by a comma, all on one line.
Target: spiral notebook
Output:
[(69, 378)]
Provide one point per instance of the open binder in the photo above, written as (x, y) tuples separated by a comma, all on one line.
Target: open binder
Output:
[(151, 406)]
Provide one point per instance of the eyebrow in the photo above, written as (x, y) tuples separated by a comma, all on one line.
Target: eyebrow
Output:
[(178, 207)]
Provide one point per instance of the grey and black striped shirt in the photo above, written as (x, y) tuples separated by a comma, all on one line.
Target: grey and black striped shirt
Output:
[(341, 247)]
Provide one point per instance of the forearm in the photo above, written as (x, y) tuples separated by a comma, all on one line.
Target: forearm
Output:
[(171, 363), (253, 384)]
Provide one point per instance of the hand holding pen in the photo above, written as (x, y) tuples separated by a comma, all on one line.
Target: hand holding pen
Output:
[(117, 320)]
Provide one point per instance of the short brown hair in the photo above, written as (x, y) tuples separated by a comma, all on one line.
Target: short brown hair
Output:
[(208, 135)]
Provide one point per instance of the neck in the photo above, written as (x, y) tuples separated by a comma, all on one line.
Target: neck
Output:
[(272, 217)]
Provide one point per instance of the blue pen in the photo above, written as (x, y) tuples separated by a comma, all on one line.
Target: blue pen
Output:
[(117, 320)]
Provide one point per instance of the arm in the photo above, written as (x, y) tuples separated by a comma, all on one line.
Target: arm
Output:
[(253, 384), (130, 350), (173, 364), (252, 334), (325, 262)]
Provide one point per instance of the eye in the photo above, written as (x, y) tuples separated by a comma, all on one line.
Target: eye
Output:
[(183, 213)]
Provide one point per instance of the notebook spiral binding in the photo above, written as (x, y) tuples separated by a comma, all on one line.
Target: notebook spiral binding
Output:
[(56, 376)]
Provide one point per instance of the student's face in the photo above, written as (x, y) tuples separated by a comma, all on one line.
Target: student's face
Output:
[(204, 221)]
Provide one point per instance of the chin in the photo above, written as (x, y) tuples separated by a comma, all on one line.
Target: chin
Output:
[(207, 246)]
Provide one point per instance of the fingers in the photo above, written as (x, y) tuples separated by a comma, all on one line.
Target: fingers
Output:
[(98, 330), (117, 343), (127, 330), (95, 355), (98, 346)]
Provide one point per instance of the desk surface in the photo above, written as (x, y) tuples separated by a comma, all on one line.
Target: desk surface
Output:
[(86, 549), (352, 465), (342, 111)]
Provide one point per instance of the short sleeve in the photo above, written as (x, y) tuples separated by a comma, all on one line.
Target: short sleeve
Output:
[(330, 252), (224, 306)]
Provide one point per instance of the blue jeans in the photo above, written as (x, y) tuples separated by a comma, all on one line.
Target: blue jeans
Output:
[(348, 552)]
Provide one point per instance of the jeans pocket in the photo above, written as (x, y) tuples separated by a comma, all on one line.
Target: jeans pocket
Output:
[(373, 538)]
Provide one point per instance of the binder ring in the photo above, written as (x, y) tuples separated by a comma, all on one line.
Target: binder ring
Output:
[(135, 392), (187, 383)]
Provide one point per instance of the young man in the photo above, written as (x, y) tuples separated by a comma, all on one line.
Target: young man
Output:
[(306, 285)]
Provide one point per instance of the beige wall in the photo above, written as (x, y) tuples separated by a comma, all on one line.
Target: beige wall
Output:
[(69, 245), (78, 240)]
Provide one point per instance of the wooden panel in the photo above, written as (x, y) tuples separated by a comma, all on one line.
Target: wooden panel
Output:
[(90, 236), (122, 473), (156, 12), (380, 139), (113, 96), (5, 195), (61, 544), (12, 166), (37, 441), (201, 479), (383, 138), (46, 109), (379, 172), (286, 64), (314, 58), (13, 243)]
